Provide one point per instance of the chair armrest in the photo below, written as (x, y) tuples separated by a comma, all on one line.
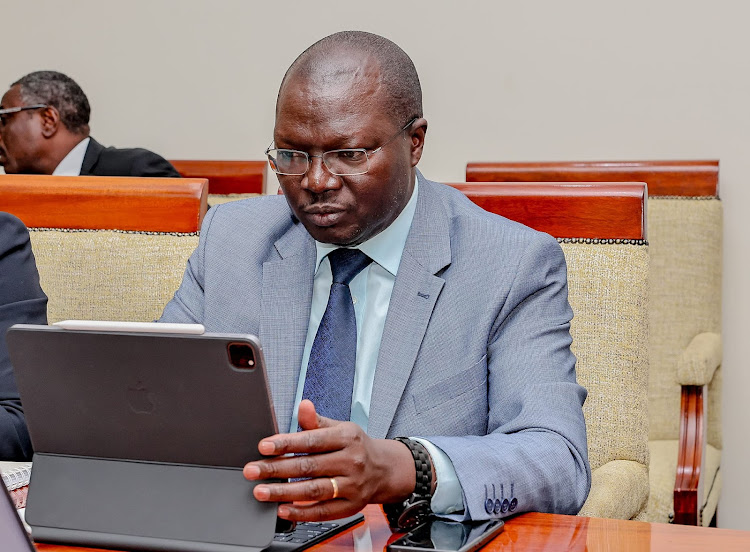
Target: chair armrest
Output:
[(619, 489), (691, 454), (699, 360)]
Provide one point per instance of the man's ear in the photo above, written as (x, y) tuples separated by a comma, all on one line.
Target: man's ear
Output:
[(50, 121), (417, 133)]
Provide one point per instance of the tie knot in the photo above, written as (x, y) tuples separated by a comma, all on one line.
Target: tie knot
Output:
[(346, 264)]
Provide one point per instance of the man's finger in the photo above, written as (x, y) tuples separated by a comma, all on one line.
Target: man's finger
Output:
[(301, 466), (308, 418), (318, 489), (318, 511), (327, 439)]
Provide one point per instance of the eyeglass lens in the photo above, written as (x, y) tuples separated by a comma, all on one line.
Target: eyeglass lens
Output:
[(345, 162)]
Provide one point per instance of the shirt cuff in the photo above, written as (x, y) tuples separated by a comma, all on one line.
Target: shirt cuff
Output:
[(448, 497)]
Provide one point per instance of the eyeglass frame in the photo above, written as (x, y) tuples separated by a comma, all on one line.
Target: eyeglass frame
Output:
[(321, 156), (13, 110)]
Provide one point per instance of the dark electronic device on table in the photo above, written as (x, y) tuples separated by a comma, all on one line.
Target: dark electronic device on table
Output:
[(140, 433), (448, 536)]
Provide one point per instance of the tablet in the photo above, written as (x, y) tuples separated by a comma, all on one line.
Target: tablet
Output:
[(140, 436)]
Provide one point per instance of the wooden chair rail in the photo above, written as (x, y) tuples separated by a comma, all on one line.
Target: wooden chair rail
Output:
[(687, 495), (566, 209), (226, 177), (695, 178), (104, 202)]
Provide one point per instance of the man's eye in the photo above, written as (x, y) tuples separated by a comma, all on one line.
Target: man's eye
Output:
[(351, 155), (288, 155)]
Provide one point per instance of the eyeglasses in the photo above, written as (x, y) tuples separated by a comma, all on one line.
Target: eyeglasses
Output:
[(340, 162), (12, 110)]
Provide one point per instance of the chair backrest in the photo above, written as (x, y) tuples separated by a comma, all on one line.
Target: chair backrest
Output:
[(685, 242), (566, 210), (607, 289), (107, 248), (226, 177), (664, 178)]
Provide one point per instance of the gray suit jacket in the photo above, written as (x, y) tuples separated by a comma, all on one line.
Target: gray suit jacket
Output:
[(475, 354)]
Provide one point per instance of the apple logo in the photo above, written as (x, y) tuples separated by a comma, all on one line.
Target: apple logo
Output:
[(140, 400)]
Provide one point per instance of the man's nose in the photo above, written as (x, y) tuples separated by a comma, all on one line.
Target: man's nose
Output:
[(318, 178)]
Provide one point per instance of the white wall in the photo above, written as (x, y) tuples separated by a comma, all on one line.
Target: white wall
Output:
[(533, 80)]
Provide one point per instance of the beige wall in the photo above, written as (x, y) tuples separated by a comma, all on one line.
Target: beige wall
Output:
[(503, 81)]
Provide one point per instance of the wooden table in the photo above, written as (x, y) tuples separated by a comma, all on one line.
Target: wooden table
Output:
[(536, 532)]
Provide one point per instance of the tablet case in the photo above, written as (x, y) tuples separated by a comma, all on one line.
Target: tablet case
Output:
[(140, 439)]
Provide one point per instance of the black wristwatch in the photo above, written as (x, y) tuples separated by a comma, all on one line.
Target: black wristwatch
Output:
[(414, 510)]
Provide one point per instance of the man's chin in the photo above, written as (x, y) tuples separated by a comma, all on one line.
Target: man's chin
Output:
[(334, 235)]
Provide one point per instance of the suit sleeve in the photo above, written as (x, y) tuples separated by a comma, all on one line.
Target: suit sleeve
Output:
[(186, 307), (535, 449), (21, 301), (148, 163)]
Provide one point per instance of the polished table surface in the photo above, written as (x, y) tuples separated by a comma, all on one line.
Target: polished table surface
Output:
[(535, 532)]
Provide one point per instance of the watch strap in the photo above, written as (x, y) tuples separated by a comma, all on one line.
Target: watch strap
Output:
[(422, 465), (414, 510)]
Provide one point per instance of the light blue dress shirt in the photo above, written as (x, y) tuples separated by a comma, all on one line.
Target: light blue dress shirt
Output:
[(371, 293)]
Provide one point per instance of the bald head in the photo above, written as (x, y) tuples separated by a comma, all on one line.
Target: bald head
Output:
[(344, 60)]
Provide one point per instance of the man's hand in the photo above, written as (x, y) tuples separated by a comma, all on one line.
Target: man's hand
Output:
[(365, 470)]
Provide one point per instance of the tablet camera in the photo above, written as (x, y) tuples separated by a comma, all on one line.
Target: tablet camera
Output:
[(241, 356)]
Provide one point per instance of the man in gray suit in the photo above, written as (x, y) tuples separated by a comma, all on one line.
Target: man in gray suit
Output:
[(462, 341)]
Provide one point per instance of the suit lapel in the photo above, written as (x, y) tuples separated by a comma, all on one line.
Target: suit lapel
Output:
[(287, 296), (415, 292), (93, 151)]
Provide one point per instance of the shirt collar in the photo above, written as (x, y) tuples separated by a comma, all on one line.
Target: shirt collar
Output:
[(72, 163), (386, 247)]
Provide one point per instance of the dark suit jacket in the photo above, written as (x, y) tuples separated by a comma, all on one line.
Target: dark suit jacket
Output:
[(101, 161), (21, 301)]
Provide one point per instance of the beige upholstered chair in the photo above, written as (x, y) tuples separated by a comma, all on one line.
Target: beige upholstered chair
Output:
[(108, 248), (602, 233), (218, 199), (685, 237)]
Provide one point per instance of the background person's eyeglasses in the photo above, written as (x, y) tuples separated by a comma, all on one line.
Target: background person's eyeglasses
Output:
[(11, 110), (341, 162)]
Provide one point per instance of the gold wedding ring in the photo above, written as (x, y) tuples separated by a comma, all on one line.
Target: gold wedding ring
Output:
[(335, 487)]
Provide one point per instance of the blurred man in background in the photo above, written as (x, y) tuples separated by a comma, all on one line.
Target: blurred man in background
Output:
[(44, 129)]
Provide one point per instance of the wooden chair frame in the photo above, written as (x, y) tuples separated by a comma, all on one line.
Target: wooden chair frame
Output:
[(227, 177), (106, 202)]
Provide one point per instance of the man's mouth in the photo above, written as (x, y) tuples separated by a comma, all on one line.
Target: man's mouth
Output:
[(323, 215)]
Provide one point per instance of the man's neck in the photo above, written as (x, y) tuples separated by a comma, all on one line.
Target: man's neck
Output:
[(61, 148)]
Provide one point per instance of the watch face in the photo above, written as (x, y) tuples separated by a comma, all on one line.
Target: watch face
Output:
[(414, 514)]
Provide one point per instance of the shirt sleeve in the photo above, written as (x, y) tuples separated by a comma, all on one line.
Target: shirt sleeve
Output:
[(448, 497)]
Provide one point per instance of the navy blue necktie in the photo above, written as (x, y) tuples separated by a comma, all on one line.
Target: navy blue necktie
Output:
[(330, 369)]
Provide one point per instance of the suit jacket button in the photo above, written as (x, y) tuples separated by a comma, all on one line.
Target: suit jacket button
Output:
[(506, 504), (489, 506), (513, 504)]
